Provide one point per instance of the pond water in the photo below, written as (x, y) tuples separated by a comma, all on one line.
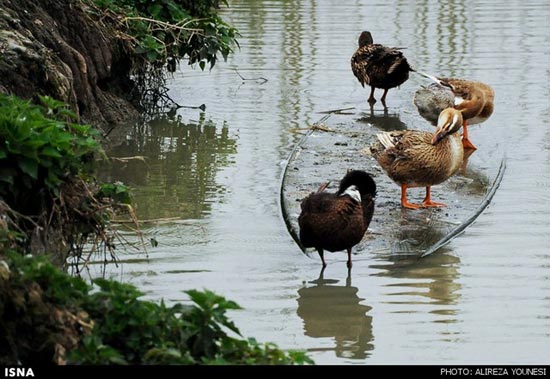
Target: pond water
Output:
[(485, 298)]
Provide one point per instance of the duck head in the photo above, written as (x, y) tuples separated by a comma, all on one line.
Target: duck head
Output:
[(357, 180), (449, 122), (365, 39)]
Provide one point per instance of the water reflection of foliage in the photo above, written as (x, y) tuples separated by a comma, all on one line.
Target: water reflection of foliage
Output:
[(181, 161), (335, 311)]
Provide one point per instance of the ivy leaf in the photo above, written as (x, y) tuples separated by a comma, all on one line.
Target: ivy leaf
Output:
[(29, 167), (51, 152)]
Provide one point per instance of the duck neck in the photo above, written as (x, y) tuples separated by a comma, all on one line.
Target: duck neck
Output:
[(450, 149), (367, 204)]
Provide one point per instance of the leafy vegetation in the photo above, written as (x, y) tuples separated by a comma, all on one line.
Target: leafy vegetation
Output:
[(48, 194), (46, 188), (115, 327), (50, 201), (167, 31), (41, 146)]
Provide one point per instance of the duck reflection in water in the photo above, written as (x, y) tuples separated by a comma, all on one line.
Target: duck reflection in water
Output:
[(385, 120), (332, 311)]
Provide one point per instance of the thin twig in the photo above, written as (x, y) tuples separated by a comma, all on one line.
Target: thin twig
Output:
[(337, 110), (322, 128), (149, 221), (260, 79), (128, 159), (166, 24)]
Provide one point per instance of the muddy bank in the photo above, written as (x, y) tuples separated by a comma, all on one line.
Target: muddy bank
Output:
[(62, 49)]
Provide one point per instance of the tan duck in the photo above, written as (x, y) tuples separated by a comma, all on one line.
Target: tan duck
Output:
[(415, 158), (338, 221), (474, 99), (379, 66)]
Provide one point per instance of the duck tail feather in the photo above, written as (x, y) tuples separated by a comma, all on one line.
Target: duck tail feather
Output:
[(431, 77), (386, 140), (323, 187)]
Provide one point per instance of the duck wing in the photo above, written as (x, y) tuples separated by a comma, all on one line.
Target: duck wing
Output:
[(330, 221), (375, 60), (431, 100)]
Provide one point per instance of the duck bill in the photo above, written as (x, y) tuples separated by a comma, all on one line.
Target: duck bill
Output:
[(438, 136)]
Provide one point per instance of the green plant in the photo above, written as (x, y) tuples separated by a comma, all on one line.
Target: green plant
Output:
[(41, 146), (166, 31), (129, 330), (111, 325), (118, 192), (40, 310), (58, 288), (48, 195)]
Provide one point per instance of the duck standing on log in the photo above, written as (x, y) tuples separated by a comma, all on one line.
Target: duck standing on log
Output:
[(414, 158), (338, 221), (379, 66), (474, 99)]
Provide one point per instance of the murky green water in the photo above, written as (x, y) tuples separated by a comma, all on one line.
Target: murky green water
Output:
[(483, 299)]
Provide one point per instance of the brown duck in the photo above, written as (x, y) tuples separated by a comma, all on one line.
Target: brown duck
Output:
[(415, 158), (338, 221), (474, 99), (379, 66)]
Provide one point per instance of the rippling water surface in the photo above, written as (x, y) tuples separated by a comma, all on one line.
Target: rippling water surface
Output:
[(483, 299)]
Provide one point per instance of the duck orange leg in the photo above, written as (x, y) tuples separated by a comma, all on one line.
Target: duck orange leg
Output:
[(428, 200), (320, 251), (349, 258), (404, 202), (371, 99), (465, 140)]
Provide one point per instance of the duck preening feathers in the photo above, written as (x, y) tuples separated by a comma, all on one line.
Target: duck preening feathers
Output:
[(338, 221), (379, 66), (413, 158), (474, 99)]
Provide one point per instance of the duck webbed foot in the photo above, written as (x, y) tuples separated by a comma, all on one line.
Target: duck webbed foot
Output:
[(371, 99), (404, 202), (428, 203), (467, 144), (465, 140)]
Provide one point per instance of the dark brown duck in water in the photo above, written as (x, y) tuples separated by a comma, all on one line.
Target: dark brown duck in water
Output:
[(474, 99), (414, 158), (338, 221), (379, 66)]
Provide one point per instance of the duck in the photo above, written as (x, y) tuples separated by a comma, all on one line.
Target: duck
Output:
[(474, 99), (379, 66), (414, 158), (338, 221)]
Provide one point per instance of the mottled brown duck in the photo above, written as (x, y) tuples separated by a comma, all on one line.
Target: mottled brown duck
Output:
[(413, 158), (379, 66), (474, 99), (338, 221)]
